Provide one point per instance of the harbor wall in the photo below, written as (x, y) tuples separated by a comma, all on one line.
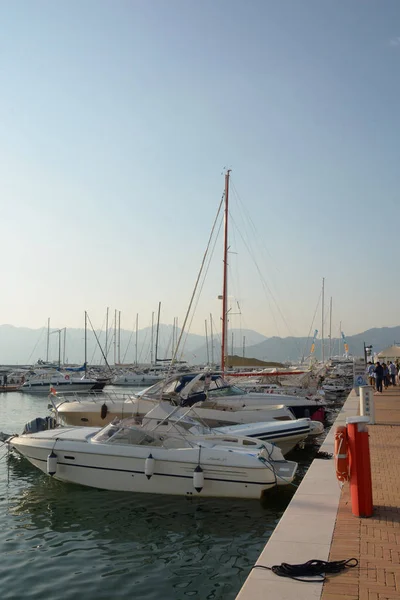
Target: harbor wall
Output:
[(305, 529)]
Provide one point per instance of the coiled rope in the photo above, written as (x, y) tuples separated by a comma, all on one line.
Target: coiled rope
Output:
[(313, 568)]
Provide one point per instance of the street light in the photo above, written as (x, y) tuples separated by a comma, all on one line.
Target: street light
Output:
[(367, 352)]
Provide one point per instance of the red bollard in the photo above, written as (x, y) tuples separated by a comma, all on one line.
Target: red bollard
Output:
[(360, 467)]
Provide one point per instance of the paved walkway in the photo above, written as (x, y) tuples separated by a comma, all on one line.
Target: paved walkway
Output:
[(374, 541)]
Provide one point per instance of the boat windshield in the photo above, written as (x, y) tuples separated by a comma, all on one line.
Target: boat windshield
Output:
[(178, 385), (126, 433)]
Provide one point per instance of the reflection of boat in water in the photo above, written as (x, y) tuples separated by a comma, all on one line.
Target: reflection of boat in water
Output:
[(104, 538), (105, 514), (126, 457)]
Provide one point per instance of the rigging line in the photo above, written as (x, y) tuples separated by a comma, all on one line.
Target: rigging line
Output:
[(95, 348), (144, 344), (201, 288), (200, 292), (261, 246), (251, 223), (312, 324), (252, 253), (197, 282), (211, 254), (97, 339), (129, 343), (36, 345), (263, 282)]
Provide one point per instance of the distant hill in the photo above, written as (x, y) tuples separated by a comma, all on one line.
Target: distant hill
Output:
[(21, 345)]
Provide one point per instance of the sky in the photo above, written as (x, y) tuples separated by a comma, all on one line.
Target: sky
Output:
[(118, 120)]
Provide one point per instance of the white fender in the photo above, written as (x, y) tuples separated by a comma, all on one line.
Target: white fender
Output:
[(149, 466), (52, 463), (198, 479)]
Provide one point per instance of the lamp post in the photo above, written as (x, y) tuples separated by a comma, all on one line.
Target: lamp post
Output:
[(367, 352)]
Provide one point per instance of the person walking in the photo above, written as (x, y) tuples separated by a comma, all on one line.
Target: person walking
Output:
[(385, 375), (392, 372), (378, 377), (371, 374)]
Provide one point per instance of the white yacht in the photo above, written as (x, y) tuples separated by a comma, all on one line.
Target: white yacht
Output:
[(123, 456), (40, 382)]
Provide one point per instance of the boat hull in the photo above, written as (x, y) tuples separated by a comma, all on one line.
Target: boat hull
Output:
[(76, 463)]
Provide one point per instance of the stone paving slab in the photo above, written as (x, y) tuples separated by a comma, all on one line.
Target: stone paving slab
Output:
[(374, 541)]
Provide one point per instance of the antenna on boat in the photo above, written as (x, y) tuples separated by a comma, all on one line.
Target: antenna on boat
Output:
[(225, 276)]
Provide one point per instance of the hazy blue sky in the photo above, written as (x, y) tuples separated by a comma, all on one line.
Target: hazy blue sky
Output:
[(118, 117)]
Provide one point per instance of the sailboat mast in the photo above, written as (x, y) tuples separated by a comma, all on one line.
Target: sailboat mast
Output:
[(158, 329), (211, 340), (136, 341), (106, 334), (119, 337), (115, 336), (225, 276), (173, 339), (208, 354), (65, 338), (85, 359), (152, 338), (59, 348), (330, 328), (244, 346), (48, 339), (322, 320)]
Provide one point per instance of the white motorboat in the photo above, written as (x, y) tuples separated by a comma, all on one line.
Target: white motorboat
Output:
[(123, 456), (284, 434), (102, 409), (41, 381), (222, 395)]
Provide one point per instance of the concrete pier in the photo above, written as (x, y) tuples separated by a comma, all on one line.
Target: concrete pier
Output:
[(318, 522)]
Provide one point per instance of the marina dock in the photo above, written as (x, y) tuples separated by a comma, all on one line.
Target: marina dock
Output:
[(318, 523)]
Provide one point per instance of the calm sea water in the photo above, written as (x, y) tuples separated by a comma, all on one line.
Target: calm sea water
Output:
[(59, 540)]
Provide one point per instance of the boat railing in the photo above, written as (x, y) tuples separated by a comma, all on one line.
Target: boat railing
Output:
[(97, 397)]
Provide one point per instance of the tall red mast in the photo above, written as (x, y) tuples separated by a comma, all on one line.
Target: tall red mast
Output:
[(225, 276)]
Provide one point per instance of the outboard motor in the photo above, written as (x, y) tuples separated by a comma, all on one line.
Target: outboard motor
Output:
[(40, 424)]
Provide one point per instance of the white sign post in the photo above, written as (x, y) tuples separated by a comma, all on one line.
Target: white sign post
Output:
[(367, 405), (359, 374)]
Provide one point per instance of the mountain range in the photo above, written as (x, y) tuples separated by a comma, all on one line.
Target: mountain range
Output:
[(22, 345)]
